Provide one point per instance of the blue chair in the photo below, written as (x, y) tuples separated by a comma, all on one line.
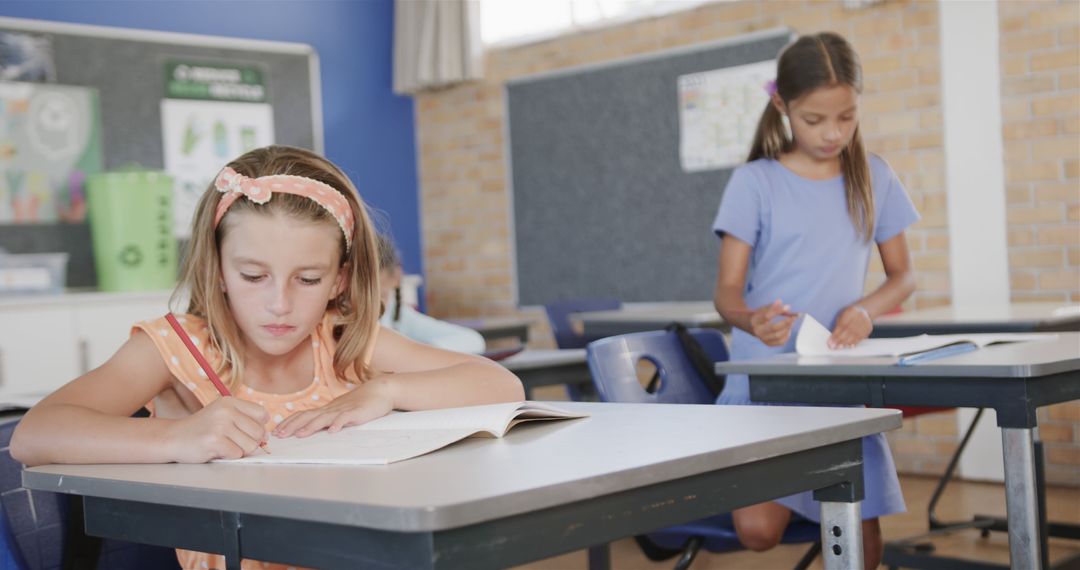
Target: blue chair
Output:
[(613, 363), (558, 313), (36, 532)]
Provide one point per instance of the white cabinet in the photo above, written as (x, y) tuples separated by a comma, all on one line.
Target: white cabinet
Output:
[(38, 348), (47, 341), (104, 323)]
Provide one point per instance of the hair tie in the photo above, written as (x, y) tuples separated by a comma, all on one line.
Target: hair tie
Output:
[(770, 87), (259, 190)]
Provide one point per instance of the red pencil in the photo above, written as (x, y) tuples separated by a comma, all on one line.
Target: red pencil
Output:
[(209, 370)]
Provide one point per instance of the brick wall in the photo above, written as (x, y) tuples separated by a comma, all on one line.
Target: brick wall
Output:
[(465, 213), (1040, 105)]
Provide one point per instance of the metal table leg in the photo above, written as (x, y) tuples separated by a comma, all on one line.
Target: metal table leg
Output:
[(1025, 548), (841, 535)]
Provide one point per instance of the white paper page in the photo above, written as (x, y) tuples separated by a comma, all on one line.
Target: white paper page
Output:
[(355, 446), (493, 418), (401, 435), (813, 337)]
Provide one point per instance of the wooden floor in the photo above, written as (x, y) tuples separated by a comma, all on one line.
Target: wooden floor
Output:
[(961, 500)]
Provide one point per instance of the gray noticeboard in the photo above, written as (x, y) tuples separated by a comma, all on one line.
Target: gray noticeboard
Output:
[(601, 205)]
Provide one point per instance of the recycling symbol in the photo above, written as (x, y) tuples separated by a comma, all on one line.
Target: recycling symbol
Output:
[(131, 256)]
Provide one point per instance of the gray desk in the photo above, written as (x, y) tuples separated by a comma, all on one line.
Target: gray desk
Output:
[(544, 489), (538, 368), (492, 328), (648, 317), (1014, 317), (1013, 379)]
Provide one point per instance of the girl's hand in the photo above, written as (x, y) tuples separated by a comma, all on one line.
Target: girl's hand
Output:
[(852, 326), (227, 428), (769, 331), (368, 401)]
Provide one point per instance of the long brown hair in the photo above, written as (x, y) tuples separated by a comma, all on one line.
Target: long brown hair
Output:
[(358, 303), (821, 60)]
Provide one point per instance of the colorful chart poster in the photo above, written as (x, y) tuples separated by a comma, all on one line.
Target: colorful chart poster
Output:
[(214, 113), (50, 140), (718, 114), (200, 137)]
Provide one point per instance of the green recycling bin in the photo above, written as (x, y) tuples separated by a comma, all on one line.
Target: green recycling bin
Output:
[(130, 217)]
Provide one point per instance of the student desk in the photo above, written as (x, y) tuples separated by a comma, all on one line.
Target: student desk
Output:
[(538, 368), (648, 317), (1014, 317), (1007, 318), (1013, 379), (493, 328), (544, 489)]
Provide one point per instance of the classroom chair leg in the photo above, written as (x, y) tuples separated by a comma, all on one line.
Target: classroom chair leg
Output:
[(809, 557), (600, 557), (689, 552)]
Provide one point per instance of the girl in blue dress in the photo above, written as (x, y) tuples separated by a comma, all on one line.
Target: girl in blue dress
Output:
[(797, 223)]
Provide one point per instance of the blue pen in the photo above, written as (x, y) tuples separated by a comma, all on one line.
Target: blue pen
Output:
[(936, 353)]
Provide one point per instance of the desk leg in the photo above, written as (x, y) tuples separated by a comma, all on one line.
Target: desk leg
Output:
[(600, 557), (841, 535), (230, 525), (1020, 498)]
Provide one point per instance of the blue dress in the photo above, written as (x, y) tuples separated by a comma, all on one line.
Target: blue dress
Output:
[(807, 252)]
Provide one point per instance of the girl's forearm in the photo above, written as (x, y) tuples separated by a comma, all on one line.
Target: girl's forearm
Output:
[(465, 384), (889, 295), (732, 307), (65, 433)]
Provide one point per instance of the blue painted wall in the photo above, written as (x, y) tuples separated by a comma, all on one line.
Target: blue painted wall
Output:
[(368, 129)]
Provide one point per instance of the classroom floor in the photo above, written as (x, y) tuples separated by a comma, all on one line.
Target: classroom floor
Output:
[(961, 500)]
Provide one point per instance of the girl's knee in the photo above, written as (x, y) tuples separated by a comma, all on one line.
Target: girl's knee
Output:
[(759, 534)]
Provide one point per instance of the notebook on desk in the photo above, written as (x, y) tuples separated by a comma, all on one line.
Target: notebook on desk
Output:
[(404, 435), (813, 337)]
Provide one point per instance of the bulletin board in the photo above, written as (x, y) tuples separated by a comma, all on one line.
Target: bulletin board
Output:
[(124, 91), (612, 196)]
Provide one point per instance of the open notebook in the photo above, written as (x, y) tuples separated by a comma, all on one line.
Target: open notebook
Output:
[(813, 338), (404, 435)]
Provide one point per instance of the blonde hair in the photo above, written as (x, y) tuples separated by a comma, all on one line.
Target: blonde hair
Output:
[(821, 60), (358, 304)]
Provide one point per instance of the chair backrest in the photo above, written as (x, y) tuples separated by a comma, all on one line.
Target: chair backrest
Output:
[(613, 364), (35, 520), (37, 530), (559, 312)]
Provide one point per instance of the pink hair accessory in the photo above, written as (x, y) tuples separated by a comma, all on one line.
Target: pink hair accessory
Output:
[(259, 190), (770, 87)]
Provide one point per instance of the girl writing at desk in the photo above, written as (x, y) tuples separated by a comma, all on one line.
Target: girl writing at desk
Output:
[(282, 274), (797, 223)]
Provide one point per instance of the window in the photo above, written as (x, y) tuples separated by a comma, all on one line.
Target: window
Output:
[(520, 21)]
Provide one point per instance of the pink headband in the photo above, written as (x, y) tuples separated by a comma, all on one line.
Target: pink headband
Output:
[(258, 190)]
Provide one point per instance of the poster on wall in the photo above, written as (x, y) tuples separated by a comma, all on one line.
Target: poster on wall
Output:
[(214, 114), (50, 140), (718, 114), (26, 57)]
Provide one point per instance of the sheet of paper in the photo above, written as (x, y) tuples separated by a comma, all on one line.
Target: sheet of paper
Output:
[(403, 435), (354, 446), (813, 337)]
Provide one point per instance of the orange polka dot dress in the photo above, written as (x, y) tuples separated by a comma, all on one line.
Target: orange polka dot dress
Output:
[(324, 387)]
